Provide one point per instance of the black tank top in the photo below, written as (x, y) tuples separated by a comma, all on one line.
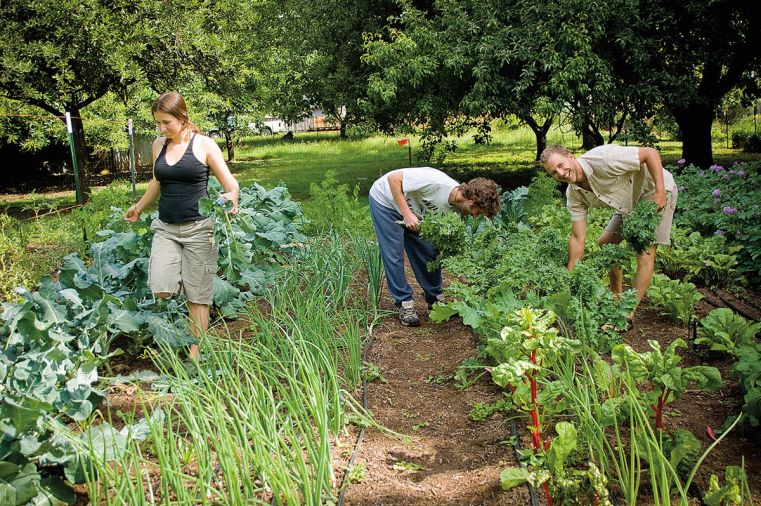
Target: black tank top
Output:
[(182, 186)]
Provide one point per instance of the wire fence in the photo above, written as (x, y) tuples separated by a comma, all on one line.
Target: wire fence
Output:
[(56, 168)]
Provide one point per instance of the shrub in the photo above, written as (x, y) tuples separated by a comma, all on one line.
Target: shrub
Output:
[(726, 202), (336, 206), (752, 144), (97, 213), (12, 265)]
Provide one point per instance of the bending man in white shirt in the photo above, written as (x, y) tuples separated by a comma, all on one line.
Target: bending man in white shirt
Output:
[(398, 201)]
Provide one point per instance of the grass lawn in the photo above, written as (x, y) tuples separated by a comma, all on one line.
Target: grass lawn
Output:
[(509, 158)]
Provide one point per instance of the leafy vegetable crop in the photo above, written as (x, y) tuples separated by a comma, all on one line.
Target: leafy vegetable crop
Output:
[(639, 227), (662, 372), (54, 341)]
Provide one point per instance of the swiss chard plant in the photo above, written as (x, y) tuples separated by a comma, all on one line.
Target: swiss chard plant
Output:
[(677, 298), (552, 470), (665, 380), (729, 494), (525, 352), (724, 331)]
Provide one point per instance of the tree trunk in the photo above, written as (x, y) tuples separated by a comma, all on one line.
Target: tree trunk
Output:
[(80, 149), (230, 144), (591, 136), (343, 130), (695, 123), (540, 132)]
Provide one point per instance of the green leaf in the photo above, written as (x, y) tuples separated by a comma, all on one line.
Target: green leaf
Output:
[(513, 372), (707, 378), (441, 313), (172, 333), (561, 447), (18, 484), (122, 320), (513, 477), (55, 491)]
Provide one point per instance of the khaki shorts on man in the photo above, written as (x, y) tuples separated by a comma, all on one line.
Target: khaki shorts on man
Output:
[(663, 232)]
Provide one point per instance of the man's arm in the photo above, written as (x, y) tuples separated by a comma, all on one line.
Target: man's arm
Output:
[(652, 159), (397, 191), (576, 243)]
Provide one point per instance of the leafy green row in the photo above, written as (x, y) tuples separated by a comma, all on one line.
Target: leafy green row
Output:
[(53, 342)]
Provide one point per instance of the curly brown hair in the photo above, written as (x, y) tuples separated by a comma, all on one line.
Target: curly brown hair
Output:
[(484, 193)]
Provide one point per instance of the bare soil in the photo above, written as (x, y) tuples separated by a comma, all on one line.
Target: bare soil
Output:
[(450, 459), (447, 459), (460, 460)]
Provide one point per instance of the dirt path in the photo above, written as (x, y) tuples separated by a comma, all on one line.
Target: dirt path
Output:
[(451, 459)]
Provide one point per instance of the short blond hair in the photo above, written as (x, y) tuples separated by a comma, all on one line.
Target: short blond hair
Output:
[(551, 150)]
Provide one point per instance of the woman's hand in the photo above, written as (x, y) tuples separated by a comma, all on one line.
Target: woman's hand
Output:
[(232, 196), (132, 214)]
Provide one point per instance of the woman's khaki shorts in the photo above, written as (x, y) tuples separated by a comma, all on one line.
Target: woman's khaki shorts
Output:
[(184, 257), (663, 232)]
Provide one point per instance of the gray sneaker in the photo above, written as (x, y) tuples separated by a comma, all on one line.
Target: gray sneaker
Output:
[(438, 300), (407, 314)]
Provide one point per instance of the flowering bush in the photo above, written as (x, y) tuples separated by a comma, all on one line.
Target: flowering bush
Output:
[(725, 201)]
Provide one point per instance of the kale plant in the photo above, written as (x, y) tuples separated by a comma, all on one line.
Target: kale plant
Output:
[(446, 231), (639, 227)]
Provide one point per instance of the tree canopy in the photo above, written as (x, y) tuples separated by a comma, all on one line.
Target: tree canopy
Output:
[(442, 66)]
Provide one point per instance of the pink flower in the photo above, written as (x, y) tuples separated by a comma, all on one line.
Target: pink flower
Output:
[(681, 162), (729, 210), (716, 193)]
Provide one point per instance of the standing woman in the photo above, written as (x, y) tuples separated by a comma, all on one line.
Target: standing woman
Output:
[(184, 252)]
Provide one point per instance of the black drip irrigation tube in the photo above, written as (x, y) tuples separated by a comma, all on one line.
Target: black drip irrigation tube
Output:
[(517, 446), (722, 297), (361, 435)]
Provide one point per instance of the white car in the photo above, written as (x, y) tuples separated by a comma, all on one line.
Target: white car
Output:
[(268, 126)]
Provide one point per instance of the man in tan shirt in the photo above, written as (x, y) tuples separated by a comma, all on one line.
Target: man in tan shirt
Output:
[(618, 177)]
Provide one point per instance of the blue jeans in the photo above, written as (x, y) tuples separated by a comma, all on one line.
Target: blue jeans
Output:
[(394, 239)]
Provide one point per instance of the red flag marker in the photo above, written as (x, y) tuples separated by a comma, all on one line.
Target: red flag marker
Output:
[(403, 142)]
